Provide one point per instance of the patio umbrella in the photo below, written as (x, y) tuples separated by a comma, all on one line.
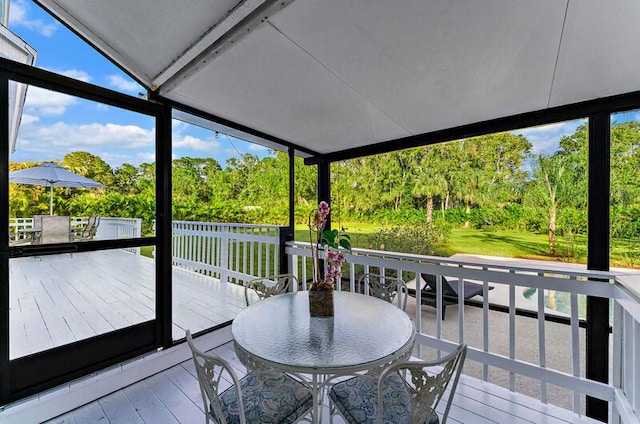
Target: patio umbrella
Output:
[(51, 175)]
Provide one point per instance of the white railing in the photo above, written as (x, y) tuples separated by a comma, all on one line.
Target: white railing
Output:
[(509, 281), (17, 224), (230, 252), (108, 228), (120, 228), (626, 351)]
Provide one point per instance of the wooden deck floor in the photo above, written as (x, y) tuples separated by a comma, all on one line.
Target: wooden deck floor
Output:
[(59, 299), (173, 396)]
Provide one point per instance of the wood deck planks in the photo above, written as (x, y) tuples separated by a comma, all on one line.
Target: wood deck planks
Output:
[(175, 400), (173, 396), (147, 405), (184, 380), (89, 413), (118, 409), (59, 299)]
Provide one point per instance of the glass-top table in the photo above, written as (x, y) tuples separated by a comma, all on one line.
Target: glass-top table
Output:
[(364, 333)]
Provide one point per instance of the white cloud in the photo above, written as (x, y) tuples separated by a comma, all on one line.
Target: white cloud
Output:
[(230, 151), (194, 143), (116, 160), (74, 73), (143, 157), (256, 148), (28, 119), (18, 16), (124, 84), (66, 137), (545, 139), (48, 103)]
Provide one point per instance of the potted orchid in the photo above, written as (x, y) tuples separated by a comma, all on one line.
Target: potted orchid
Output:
[(336, 242)]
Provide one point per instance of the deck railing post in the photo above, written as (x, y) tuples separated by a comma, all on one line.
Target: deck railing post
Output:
[(597, 331), (324, 193), (224, 254), (285, 235)]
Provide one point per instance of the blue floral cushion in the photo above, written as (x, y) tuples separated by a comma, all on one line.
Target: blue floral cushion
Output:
[(357, 400), (269, 397)]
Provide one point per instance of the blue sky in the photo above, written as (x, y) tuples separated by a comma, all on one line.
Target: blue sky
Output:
[(54, 124)]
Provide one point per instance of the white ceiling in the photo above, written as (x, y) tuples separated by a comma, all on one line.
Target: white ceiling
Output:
[(329, 75)]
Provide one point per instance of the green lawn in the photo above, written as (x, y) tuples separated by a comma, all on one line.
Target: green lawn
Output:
[(514, 244), (505, 243), (147, 251), (510, 244), (496, 243)]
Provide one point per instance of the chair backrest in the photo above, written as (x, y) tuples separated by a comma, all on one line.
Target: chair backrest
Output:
[(89, 230), (430, 280), (37, 221), (55, 229), (385, 288), (210, 370), (269, 286), (426, 383)]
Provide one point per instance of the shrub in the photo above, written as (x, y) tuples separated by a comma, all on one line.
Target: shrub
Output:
[(625, 223), (572, 221), (416, 239)]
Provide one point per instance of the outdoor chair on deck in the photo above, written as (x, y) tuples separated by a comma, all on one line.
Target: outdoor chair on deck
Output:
[(89, 231), (37, 221), (394, 397), (385, 288), (429, 291), (55, 229), (258, 397), (269, 286)]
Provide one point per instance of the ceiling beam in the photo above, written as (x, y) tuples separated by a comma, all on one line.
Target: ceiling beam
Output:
[(239, 128), (222, 36), (215, 32), (612, 104)]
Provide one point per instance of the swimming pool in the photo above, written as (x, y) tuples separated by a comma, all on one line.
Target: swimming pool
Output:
[(558, 301)]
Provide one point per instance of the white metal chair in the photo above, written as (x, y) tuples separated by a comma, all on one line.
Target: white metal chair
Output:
[(269, 286), (392, 397), (385, 288), (258, 397), (89, 231)]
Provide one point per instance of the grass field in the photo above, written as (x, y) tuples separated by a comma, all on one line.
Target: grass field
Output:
[(505, 243)]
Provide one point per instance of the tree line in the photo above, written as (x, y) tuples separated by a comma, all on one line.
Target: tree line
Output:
[(487, 182)]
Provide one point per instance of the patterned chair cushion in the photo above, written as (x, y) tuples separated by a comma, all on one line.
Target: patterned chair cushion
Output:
[(269, 397), (357, 400)]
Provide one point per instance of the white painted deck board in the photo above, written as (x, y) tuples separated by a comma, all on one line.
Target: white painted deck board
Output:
[(118, 409), (56, 300), (173, 396), (89, 413)]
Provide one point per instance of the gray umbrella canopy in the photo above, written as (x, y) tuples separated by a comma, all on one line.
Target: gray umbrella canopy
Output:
[(51, 175)]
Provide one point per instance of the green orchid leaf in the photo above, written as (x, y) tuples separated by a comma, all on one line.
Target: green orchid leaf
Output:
[(344, 243)]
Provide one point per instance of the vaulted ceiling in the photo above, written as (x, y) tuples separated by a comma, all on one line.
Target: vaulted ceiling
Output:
[(330, 75)]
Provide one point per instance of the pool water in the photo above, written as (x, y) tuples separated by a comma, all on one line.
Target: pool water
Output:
[(558, 301)]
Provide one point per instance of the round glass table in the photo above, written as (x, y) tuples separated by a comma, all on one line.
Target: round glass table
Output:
[(365, 333)]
